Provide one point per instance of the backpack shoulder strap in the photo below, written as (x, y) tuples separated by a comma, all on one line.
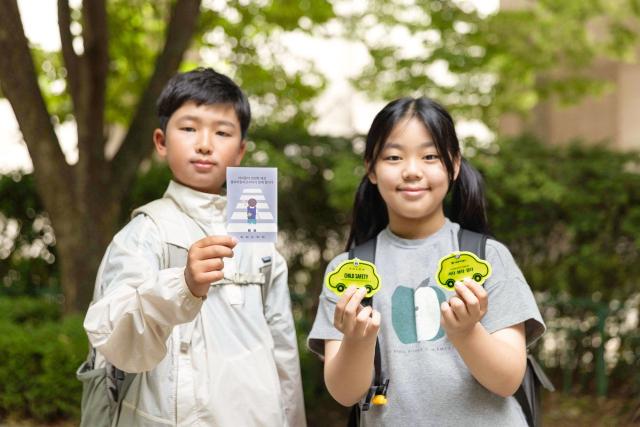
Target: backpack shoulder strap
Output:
[(367, 252), (470, 241), (169, 219), (528, 394)]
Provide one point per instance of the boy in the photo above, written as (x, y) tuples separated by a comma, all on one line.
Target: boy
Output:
[(204, 322)]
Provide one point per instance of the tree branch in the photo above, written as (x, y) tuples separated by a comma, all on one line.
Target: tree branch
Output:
[(94, 67), (136, 145), (20, 86), (71, 60)]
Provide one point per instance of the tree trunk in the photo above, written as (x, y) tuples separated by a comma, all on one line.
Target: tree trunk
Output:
[(84, 201)]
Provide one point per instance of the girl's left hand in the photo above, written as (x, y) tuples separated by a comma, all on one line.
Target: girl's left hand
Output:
[(463, 311)]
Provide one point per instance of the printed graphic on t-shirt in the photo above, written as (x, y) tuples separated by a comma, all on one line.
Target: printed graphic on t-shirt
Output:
[(415, 314)]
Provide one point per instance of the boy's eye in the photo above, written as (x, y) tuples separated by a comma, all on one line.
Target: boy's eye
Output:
[(188, 129), (221, 133)]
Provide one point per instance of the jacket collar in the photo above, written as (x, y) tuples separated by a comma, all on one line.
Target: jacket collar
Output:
[(205, 207)]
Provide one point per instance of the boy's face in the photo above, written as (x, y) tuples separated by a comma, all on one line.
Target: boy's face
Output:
[(200, 143)]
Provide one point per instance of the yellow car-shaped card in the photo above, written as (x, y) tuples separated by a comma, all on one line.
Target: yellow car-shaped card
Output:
[(459, 266), (363, 274)]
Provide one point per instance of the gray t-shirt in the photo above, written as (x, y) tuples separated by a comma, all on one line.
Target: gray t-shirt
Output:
[(429, 383)]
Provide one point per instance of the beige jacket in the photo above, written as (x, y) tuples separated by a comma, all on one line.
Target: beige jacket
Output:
[(239, 365)]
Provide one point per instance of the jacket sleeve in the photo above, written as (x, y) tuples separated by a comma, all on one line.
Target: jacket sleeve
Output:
[(141, 303), (280, 320)]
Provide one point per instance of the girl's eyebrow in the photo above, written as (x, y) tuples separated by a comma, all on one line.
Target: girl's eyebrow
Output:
[(400, 146)]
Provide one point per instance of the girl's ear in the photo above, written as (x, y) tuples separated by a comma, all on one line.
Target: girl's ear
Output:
[(456, 166), (371, 174), (160, 142)]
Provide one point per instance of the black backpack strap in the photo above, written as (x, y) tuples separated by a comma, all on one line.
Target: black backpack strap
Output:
[(528, 394), (367, 252), (521, 397), (470, 241)]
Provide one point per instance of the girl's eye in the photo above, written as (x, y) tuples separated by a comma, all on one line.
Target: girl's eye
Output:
[(431, 157), (188, 129), (392, 158)]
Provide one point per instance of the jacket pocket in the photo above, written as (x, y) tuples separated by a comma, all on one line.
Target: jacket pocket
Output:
[(95, 406)]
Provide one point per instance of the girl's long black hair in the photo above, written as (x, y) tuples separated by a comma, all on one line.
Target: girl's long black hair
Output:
[(468, 206)]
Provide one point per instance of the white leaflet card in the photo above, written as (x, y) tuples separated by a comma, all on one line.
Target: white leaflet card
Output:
[(252, 204)]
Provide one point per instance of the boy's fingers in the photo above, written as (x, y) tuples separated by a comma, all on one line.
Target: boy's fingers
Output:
[(227, 241), (209, 277), (216, 251), (213, 264)]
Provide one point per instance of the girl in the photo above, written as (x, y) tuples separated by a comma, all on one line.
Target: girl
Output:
[(453, 357)]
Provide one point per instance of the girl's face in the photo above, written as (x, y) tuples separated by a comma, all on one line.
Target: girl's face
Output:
[(410, 175)]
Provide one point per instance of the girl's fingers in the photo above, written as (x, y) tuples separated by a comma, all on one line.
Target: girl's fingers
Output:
[(447, 315), (459, 308), (338, 316), (374, 324), (480, 293), (469, 298), (361, 321), (351, 308)]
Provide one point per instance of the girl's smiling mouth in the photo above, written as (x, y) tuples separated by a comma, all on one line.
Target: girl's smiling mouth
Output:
[(413, 191)]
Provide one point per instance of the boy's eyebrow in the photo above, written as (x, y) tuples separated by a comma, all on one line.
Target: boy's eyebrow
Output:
[(400, 146), (199, 120)]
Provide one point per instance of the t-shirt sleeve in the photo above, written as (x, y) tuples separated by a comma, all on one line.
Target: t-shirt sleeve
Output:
[(511, 301), (323, 328)]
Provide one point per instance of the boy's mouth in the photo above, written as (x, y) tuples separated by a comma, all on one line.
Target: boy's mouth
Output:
[(202, 164)]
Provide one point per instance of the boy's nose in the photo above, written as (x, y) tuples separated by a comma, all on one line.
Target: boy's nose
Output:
[(204, 147)]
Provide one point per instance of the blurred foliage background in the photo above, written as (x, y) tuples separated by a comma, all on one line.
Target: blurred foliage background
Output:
[(569, 214)]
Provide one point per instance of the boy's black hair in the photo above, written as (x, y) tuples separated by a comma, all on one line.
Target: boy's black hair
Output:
[(204, 86)]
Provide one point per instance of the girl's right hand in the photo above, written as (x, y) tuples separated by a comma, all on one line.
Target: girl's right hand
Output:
[(356, 322)]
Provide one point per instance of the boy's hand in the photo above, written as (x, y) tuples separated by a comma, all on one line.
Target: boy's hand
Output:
[(356, 322), (204, 262), (463, 311)]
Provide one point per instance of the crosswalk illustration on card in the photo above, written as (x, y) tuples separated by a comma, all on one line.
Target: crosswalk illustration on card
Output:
[(252, 204)]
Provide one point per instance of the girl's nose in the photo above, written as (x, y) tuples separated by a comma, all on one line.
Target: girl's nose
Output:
[(412, 171)]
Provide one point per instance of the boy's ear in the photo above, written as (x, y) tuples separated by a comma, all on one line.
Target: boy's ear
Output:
[(241, 151), (160, 142), (371, 174)]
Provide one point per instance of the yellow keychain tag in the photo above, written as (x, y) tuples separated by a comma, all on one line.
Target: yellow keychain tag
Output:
[(363, 274), (459, 266)]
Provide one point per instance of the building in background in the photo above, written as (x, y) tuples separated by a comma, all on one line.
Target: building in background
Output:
[(613, 117)]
